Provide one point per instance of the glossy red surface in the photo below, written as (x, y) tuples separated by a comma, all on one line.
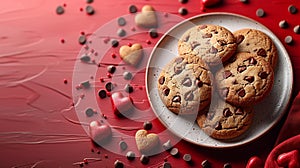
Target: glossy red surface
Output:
[(38, 51)]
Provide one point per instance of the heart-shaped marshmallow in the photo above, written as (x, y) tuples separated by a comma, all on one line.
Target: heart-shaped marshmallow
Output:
[(290, 159), (147, 18), (209, 3), (146, 142), (99, 133), (131, 55), (121, 104), (255, 162)]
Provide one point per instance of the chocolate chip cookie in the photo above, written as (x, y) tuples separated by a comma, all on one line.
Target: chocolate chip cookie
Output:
[(225, 121), (185, 85), (214, 44), (256, 42), (245, 80)]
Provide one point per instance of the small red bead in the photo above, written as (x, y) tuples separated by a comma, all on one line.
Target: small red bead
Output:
[(108, 75), (62, 40), (148, 41), (81, 9), (102, 80), (113, 55), (65, 5), (65, 81), (129, 44), (82, 33), (85, 161)]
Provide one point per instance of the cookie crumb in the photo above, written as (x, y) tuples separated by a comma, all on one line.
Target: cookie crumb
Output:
[(288, 40)]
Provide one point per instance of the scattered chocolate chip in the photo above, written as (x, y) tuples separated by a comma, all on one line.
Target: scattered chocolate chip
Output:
[(89, 112), (147, 125), (176, 99), (187, 157), (132, 9), (118, 164), (241, 68), (199, 83), (189, 96), (260, 12), (167, 145), (182, 11), (121, 21), (123, 145), (227, 74), (114, 43), (227, 112), (186, 38), (183, 1), (218, 126), (153, 33), (207, 35), (109, 86), (224, 92), (187, 82), (232, 59), (213, 50), (288, 40), (222, 42), (249, 79), (161, 80), (244, 1), (127, 75), (102, 94), (85, 58), (174, 152), (86, 84), (167, 165), (239, 39), (60, 10), (283, 24), (227, 165), (177, 69), (252, 61), (121, 32), (144, 159), (111, 69), (128, 88), (239, 111), (297, 29), (195, 44), (242, 93), (130, 155), (292, 9), (178, 60), (89, 10), (203, 26), (262, 52), (89, 1), (206, 164), (263, 75), (166, 91)]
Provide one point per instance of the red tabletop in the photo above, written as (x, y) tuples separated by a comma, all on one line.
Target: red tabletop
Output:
[(38, 52)]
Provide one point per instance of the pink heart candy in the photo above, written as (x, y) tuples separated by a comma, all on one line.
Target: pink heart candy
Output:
[(255, 162), (209, 3), (121, 104), (290, 159), (99, 133)]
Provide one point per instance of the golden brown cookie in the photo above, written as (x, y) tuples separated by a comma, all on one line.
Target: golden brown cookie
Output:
[(185, 85), (214, 44)]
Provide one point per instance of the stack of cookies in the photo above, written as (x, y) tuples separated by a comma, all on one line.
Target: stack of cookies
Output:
[(219, 76)]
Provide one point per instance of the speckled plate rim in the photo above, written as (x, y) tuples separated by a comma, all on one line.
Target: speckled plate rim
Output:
[(249, 136)]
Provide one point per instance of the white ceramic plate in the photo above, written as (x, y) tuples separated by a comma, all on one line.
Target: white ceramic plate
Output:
[(267, 113)]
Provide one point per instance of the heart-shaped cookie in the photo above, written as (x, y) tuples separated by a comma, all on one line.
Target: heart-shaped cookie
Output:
[(121, 104), (99, 133), (209, 3), (146, 142), (255, 162), (290, 159), (131, 54), (147, 18)]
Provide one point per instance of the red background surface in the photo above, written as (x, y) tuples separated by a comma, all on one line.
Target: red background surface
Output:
[(34, 63)]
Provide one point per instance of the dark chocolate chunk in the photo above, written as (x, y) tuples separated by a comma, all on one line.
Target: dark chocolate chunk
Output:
[(249, 79), (109, 86), (241, 68), (224, 92), (89, 1), (85, 58), (262, 52), (218, 126), (227, 74), (203, 26), (199, 83), (114, 43), (283, 24), (205, 164), (89, 112), (187, 157), (186, 38), (167, 145), (167, 165), (263, 75), (144, 159), (161, 80), (82, 39), (252, 61), (227, 165), (187, 82), (147, 125), (239, 111), (227, 112), (297, 29), (153, 33), (60, 10), (222, 42), (132, 9), (111, 69), (121, 21), (239, 39), (207, 35), (178, 60), (128, 88), (288, 40), (178, 69), (189, 96), (118, 164), (174, 152), (292, 9), (182, 11), (183, 1), (123, 145), (260, 12), (176, 99), (121, 32), (102, 94), (130, 155), (213, 50), (242, 93), (89, 10), (166, 91), (127, 75), (195, 44)]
